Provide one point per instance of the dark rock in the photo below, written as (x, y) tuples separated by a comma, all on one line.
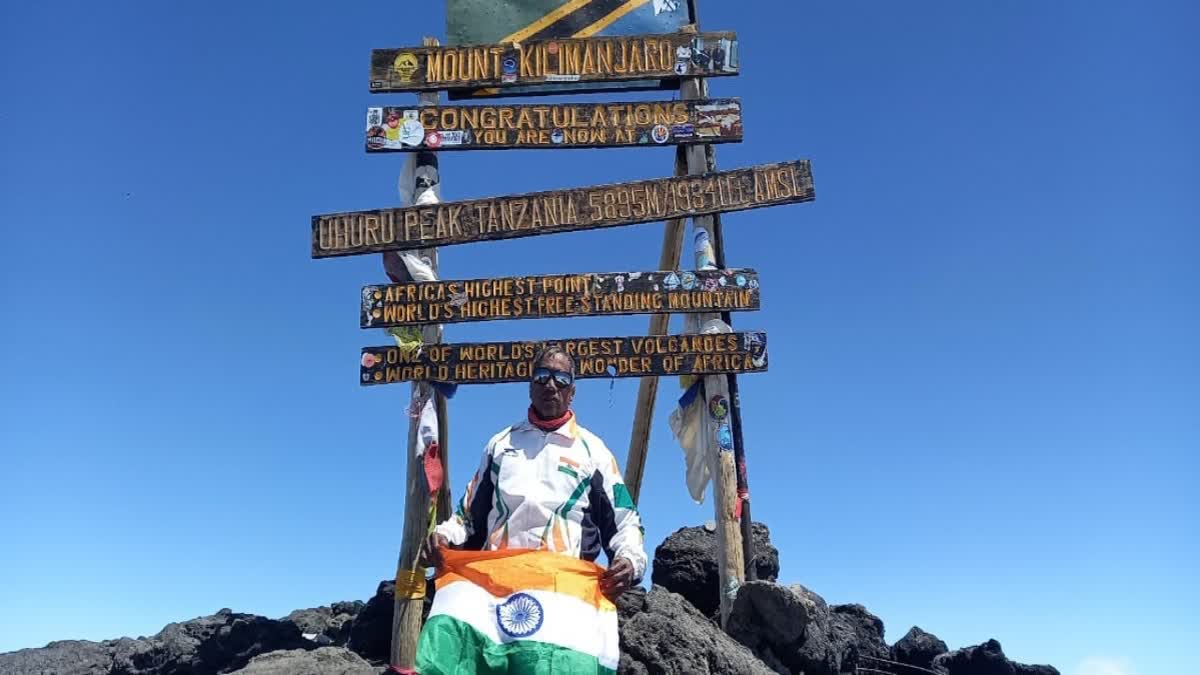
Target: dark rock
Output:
[(793, 630), (768, 615), (1023, 669), (857, 633), (662, 633), (326, 625), (985, 659), (323, 661), (370, 632), (65, 657), (686, 563), (208, 645), (627, 666), (918, 648), (789, 626), (349, 607), (203, 646)]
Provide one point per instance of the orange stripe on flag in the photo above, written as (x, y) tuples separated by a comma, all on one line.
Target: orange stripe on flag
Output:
[(503, 573), (566, 460)]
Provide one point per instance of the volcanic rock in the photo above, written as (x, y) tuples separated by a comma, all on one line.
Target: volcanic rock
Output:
[(686, 563), (323, 661), (793, 629), (370, 634), (68, 657), (857, 633), (918, 648), (327, 625), (662, 633), (210, 644), (985, 659)]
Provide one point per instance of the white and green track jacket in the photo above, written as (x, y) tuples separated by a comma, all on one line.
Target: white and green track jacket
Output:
[(555, 490)]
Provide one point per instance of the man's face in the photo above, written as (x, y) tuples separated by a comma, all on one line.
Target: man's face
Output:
[(551, 400), (393, 121)]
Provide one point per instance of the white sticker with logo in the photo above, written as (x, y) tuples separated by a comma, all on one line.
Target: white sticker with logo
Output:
[(453, 137)]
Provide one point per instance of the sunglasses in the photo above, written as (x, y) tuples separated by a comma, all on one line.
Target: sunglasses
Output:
[(543, 376)]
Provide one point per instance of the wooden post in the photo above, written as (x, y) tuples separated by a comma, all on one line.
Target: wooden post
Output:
[(643, 412), (410, 587), (735, 403), (730, 557), (735, 414)]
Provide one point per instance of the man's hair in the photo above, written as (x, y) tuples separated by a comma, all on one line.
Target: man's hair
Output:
[(552, 350)]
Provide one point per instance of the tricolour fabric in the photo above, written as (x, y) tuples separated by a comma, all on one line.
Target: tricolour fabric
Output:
[(518, 611)]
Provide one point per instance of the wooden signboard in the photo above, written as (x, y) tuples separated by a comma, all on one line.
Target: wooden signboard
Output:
[(563, 125), (488, 362), (575, 60), (559, 296), (413, 227)]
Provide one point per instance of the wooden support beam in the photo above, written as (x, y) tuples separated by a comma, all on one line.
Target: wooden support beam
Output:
[(735, 411), (643, 411), (717, 441), (410, 586)]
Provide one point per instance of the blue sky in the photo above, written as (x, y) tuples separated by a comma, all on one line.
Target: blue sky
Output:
[(981, 411)]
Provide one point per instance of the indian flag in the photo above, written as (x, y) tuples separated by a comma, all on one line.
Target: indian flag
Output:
[(518, 611)]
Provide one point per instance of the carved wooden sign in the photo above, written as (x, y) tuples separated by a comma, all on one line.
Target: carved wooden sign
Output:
[(351, 233), (563, 125), (489, 362), (538, 297), (559, 60)]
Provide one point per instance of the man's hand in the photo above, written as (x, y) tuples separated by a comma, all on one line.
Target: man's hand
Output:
[(617, 578), (432, 554)]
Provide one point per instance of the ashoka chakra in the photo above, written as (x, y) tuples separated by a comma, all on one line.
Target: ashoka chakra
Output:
[(520, 616)]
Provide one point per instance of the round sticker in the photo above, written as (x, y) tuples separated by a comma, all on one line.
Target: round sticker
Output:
[(405, 65), (725, 437), (660, 133), (433, 139), (718, 407), (412, 132), (681, 68), (557, 136)]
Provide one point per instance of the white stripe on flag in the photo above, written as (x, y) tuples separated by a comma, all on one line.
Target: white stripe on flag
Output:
[(565, 620)]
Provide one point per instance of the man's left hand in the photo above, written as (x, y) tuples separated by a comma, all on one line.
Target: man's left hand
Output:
[(617, 578)]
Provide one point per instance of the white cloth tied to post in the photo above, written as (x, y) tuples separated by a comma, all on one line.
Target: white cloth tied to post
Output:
[(687, 420), (409, 266), (404, 266), (427, 425)]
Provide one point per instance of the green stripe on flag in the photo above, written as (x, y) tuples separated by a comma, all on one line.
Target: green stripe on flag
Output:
[(450, 646), (569, 471)]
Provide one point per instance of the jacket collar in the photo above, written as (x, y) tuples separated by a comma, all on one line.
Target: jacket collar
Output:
[(570, 430)]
